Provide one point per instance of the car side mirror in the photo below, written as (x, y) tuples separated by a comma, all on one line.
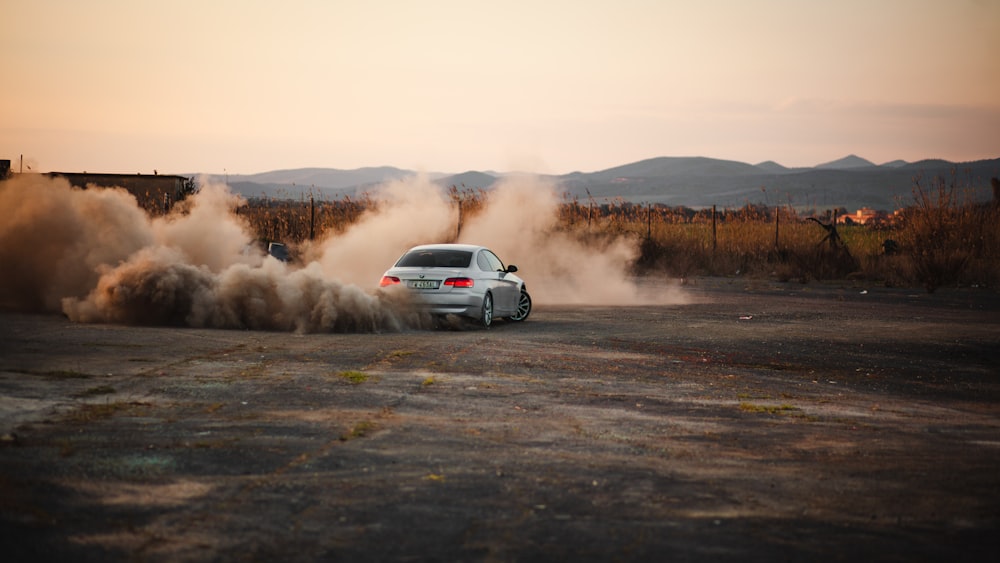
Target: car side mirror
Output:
[(511, 269)]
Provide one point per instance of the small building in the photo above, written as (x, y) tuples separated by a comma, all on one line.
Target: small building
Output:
[(155, 193), (864, 216)]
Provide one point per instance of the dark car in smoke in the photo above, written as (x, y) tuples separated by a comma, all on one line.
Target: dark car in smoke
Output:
[(461, 279), (279, 251)]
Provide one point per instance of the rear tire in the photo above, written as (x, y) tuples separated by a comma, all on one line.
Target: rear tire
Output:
[(486, 319), (523, 307)]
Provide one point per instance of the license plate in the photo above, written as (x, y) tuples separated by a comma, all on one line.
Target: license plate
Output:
[(424, 284)]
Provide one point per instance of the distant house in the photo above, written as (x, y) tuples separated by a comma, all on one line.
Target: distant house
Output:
[(155, 193), (864, 216)]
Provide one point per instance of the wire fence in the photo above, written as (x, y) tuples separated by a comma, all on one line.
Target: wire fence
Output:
[(942, 239)]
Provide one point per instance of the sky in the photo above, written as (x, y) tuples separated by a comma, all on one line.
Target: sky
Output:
[(546, 86)]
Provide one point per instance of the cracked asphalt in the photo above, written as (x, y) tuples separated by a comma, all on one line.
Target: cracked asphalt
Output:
[(760, 421)]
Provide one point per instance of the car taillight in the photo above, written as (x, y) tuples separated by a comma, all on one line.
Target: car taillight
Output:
[(388, 280), (460, 282)]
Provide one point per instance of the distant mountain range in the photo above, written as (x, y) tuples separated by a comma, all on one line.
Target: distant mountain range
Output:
[(850, 182)]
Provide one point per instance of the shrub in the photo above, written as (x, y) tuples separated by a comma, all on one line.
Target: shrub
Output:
[(948, 237)]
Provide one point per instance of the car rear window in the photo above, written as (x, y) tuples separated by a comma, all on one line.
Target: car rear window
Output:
[(436, 259)]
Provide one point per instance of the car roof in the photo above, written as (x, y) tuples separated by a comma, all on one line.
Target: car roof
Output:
[(466, 247)]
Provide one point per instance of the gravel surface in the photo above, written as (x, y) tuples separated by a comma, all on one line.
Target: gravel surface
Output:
[(760, 421)]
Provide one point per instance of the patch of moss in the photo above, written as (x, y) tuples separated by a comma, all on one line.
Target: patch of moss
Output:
[(354, 376), (768, 409)]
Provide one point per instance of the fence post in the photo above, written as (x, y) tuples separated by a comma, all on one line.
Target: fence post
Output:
[(649, 221), (777, 219), (713, 230), (312, 217)]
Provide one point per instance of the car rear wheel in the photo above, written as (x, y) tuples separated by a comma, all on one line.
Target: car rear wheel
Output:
[(487, 314), (523, 307)]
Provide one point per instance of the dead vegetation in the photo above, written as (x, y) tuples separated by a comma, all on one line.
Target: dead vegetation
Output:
[(945, 236)]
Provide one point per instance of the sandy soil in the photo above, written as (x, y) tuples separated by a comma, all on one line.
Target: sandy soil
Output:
[(762, 421)]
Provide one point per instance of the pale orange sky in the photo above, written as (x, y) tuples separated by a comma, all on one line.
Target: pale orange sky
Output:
[(544, 86)]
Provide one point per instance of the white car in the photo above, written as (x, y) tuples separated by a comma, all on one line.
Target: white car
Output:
[(461, 279)]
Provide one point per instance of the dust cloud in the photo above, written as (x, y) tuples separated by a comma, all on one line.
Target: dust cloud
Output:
[(409, 212), (96, 256), (55, 240), (521, 224)]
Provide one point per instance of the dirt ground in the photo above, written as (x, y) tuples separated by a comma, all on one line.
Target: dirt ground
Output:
[(762, 421)]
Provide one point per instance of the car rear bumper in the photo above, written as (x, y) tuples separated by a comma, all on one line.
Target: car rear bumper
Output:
[(451, 304)]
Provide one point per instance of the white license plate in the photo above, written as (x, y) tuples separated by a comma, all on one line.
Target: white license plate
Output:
[(424, 284)]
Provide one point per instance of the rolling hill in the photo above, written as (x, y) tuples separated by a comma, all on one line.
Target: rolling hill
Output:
[(850, 182)]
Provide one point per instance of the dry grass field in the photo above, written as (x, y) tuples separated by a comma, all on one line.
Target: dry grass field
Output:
[(942, 237)]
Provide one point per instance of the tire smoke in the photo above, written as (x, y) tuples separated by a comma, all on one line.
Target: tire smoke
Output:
[(55, 240), (407, 212), (96, 256), (521, 223)]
